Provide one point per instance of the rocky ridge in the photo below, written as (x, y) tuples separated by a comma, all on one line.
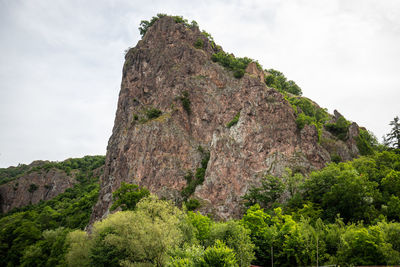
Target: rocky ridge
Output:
[(33, 187), (174, 105)]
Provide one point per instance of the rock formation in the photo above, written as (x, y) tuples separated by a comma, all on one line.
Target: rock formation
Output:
[(33, 187), (197, 98)]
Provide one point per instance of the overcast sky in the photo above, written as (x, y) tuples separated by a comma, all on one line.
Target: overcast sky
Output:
[(61, 62)]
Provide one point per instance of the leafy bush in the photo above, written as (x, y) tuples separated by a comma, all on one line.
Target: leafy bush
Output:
[(153, 113), (145, 24), (143, 236), (219, 255), (237, 65), (336, 158), (127, 196), (192, 181), (192, 204), (303, 120), (185, 101), (199, 43), (366, 142), (268, 193), (234, 121), (32, 188), (339, 128), (277, 80)]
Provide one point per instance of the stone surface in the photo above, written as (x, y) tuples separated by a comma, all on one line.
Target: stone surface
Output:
[(16, 194), (158, 153)]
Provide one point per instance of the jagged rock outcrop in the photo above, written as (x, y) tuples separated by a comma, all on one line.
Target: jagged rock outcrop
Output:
[(162, 71), (33, 187)]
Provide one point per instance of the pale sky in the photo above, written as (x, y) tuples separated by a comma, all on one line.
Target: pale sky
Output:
[(61, 62)]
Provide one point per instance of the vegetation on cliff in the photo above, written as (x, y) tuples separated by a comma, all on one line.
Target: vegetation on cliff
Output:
[(35, 235), (346, 213)]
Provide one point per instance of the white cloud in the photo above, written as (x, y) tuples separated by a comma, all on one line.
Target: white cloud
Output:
[(61, 61)]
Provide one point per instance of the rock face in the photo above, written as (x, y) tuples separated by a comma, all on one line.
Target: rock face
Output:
[(162, 72), (33, 187)]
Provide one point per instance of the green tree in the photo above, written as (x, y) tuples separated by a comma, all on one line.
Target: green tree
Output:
[(142, 236), (127, 196), (268, 193), (236, 237), (219, 255), (392, 139)]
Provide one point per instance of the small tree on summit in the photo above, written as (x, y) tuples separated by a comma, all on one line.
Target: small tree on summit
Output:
[(392, 139)]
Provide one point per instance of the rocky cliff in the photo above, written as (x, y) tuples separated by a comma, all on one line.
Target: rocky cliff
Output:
[(33, 187), (174, 110), (43, 180)]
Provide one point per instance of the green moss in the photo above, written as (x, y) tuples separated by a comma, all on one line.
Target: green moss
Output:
[(234, 121)]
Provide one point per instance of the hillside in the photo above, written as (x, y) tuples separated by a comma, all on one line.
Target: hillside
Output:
[(213, 161), (196, 122)]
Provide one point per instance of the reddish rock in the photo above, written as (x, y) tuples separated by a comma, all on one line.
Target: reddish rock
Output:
[(158, 153), (33, 187)]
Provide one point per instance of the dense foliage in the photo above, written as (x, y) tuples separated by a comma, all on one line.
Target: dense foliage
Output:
[(236, 64), (277, 80), (347, 213), (127, 196), (11, 173), (35, 235), (146, 24)]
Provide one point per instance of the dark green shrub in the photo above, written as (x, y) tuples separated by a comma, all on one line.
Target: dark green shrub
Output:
[(32, 188), (199, 43), (339, 128), (145, 24), (277, 80), (219, 255), (185, 101), (268, 193), (192, 204), (127, 196), (366, 142), (234, 120), (237, 65), (192, 181), (153, 113), (302, 120), (238, 73), (269, 80), (336, 158), (135, 117)]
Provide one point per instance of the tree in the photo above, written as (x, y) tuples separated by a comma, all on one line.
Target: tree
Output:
[(142, 236), (219, 255), (127, 196), (267, 194), (392, 139)]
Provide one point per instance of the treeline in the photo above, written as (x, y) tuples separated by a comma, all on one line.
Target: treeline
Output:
[(346, 213)]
